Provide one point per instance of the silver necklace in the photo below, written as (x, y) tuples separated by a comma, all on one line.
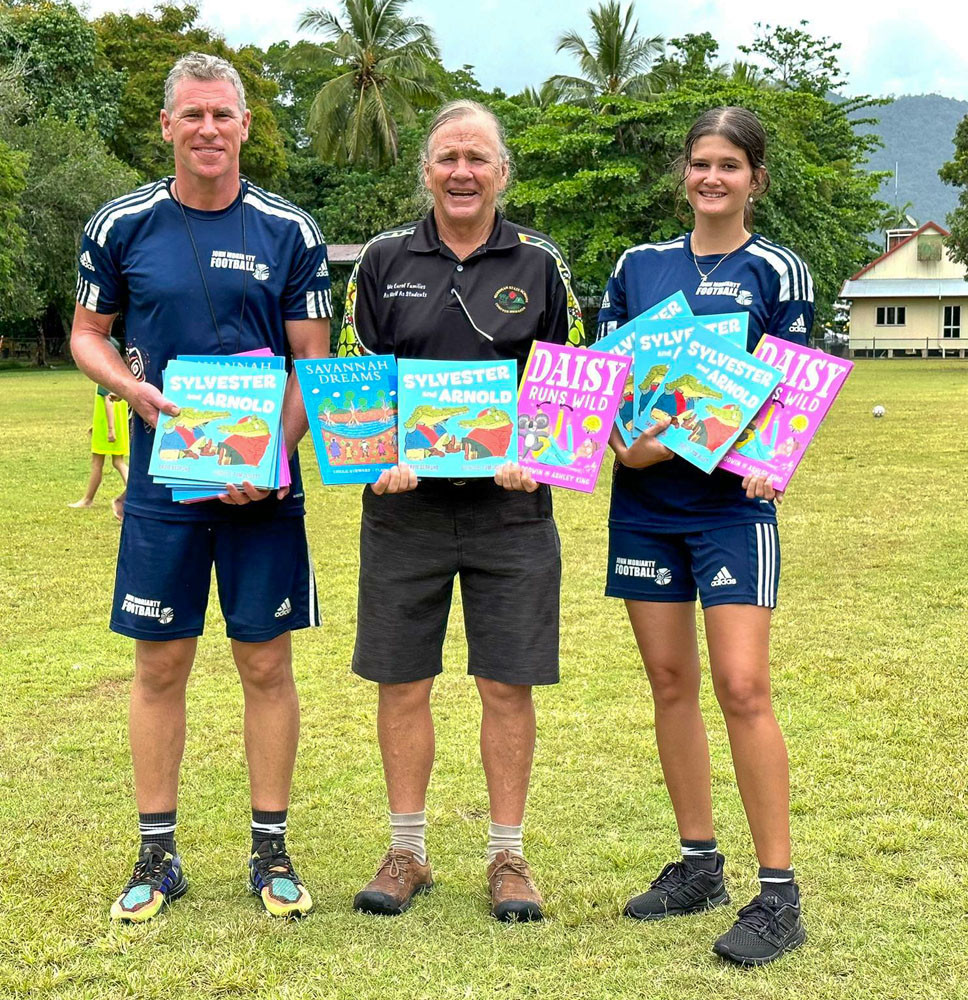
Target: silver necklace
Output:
[(704, 275)]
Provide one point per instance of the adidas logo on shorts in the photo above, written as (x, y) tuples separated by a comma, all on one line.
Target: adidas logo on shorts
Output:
[(798, 325), (723, 579), (284, 609)]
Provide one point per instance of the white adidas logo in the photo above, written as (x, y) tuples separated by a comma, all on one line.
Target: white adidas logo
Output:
[(284, 609), (323, 271), (86, 260), (798, 325), (723, 579)]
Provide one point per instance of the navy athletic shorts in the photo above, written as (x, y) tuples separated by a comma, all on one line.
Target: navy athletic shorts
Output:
[(266, 584), (739, 564), (504, 547)]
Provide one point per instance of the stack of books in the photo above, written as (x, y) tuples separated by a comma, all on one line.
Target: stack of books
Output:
[(228, 430)]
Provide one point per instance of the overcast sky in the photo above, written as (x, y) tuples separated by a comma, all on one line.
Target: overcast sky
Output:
[(890, 47)]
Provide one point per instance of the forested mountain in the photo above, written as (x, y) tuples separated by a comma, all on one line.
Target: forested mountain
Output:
[(918, 135)]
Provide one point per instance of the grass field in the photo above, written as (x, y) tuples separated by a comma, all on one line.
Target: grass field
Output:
[(869, 663)]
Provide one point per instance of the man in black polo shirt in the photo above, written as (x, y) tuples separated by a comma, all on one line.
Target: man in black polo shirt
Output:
[(461, 284)]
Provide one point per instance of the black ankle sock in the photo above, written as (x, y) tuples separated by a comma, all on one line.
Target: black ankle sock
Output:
[(779, 882), (268, 825), (702, 854), (158, 828)]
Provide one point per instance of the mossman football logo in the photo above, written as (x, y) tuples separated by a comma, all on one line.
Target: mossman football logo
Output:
[(511, 299)]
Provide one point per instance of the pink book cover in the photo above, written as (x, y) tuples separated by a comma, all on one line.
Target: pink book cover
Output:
[(774, 442), (567, 403)]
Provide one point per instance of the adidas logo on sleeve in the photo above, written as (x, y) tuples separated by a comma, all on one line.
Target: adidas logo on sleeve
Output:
[(723, 579), (798, 325), (86, 260)]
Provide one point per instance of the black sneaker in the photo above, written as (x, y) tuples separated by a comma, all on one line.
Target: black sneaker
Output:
[(763, 931), (681, 888), (158, 879)]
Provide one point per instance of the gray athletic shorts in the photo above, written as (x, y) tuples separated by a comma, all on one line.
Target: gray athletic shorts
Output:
[(503, 545)]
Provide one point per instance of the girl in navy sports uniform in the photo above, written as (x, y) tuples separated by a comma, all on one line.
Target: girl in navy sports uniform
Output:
[(675, 531)]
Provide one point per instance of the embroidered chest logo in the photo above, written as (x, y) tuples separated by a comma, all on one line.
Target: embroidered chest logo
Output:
[(511, 299)]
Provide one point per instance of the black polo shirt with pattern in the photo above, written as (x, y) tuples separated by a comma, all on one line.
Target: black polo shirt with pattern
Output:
[(410, 295)]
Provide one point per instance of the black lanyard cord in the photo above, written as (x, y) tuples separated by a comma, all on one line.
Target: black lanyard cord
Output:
[(201, 272)]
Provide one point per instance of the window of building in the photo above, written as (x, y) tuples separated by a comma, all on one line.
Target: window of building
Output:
[(891, 315), (952, 321)]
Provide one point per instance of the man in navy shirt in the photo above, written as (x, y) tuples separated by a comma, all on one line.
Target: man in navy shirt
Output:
[(206, 263)]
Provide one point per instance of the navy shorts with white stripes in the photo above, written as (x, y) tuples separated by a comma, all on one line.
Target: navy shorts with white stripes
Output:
[(738, 564), (264, 571)]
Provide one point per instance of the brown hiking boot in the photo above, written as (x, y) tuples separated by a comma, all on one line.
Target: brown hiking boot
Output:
[(398, 879), (514, 896)]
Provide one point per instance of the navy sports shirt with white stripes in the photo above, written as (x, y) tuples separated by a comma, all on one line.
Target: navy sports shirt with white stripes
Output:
[(136, 258), (762, 278)]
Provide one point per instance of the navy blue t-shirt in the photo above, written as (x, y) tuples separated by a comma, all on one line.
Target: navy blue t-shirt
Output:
[(764, 279), (136, 258)]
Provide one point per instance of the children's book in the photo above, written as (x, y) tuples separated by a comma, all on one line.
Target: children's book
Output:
[(711, 392), (228, 430), (260, 358), (659, 342), (351, 405), (622, 343), (566, 407), (458, 419), (774, 442)]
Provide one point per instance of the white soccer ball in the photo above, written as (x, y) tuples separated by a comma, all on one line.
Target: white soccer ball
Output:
[(878, 411)]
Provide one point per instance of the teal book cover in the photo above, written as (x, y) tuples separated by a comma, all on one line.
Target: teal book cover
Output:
[(351, 406), (262, 358), (622, 343), (458, 419), (659, 342), (228, 429), (710, 392)]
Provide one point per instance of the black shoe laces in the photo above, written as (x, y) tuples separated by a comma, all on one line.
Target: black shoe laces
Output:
[(672, 876), (151, 867), (275, 863), (760, 917)]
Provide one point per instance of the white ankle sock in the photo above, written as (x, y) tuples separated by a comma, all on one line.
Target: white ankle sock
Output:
[(408, 830), (504, 838)]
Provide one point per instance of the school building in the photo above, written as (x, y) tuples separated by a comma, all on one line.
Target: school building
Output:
[(911, 301)]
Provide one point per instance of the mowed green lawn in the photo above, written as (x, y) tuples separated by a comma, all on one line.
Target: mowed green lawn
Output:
[(869, 663)]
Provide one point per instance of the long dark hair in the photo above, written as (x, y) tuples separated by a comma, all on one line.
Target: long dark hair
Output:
[(743, 129)]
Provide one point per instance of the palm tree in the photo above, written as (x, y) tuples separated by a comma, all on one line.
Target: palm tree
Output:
[(388, 64), (618, 60)]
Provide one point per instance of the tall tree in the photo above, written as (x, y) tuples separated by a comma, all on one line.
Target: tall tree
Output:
[(617, 60), (65, 71), (145, 45), (955, 172), (797, 60), (388, 73)]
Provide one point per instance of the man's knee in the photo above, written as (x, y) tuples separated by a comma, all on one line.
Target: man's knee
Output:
[(265, 667), (162, 668), (504, 699)]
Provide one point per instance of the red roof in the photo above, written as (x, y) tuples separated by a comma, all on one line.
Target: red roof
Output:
[(897, 246)]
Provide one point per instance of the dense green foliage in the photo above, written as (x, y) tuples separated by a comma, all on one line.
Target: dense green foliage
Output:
[(593, 158), (955, 172)]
